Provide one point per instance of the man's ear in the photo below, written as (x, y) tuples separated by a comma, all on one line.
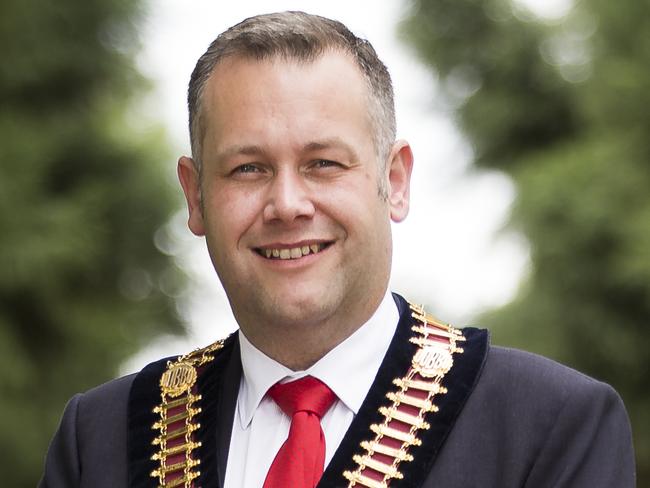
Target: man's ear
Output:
[(191, 183), (400, 165)]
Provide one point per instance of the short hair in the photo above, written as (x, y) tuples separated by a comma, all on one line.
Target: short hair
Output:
[(302, 37)]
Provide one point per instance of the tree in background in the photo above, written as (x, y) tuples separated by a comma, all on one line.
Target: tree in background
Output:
[(562, 108), (82, 192)]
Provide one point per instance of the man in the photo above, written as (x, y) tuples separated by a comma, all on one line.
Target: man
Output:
[(294, 178)]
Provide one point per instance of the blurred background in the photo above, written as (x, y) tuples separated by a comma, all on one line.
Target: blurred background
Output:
[(529, 122)]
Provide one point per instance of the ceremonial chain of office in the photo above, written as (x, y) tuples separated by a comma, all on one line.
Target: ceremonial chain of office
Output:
[(380, 457), (177, 409), (411, 403)]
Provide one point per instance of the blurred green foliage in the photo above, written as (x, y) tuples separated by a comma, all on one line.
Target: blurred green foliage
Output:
[(562, 108), (82, 191)]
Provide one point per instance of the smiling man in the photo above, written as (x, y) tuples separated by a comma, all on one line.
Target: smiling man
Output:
[(295, 199), (294, 179)]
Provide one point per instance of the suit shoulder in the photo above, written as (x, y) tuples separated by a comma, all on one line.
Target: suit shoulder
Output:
[(528, 364), (573, 428), (113, 394), (526, 373), (120, 387), (115, 388)]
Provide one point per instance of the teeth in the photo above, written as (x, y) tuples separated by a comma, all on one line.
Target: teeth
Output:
[(292, 253)]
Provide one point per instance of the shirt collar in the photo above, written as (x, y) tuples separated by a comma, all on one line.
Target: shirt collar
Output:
[(361, 353)]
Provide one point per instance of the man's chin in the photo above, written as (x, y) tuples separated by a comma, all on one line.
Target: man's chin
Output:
[(299, 310)]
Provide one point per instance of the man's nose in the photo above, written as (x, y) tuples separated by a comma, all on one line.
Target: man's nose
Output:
[(289, 198)]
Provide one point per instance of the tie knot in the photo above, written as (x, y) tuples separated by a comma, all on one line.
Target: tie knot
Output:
[(307, 394)]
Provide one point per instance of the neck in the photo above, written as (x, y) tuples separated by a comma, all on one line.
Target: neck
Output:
[(299, 346), (299, 352)]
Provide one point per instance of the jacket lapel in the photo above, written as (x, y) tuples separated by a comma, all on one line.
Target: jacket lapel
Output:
[(219, 387), (143, 397), (226, 409), (460, 382)]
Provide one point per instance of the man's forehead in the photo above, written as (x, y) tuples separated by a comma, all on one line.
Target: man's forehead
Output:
[(247, 72), (330, 84)]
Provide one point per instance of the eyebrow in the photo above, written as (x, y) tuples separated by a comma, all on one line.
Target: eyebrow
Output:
[(326, 144), (335, 143), (247, 150), (255, 150)]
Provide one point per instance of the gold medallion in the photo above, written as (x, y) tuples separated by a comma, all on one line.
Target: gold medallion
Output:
[(178, 379), (432, 361)]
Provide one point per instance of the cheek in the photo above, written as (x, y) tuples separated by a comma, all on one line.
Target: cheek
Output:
[(230, 213), (365, 221)]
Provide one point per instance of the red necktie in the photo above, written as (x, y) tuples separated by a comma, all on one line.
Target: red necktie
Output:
[(299, 462)]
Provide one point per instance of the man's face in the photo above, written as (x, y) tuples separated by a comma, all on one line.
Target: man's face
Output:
[(295, 225)]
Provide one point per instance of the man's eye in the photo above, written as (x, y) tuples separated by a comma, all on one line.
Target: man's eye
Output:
[(247, 168), (325, 163)]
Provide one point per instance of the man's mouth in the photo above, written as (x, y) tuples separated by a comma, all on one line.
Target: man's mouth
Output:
[(291, 252)]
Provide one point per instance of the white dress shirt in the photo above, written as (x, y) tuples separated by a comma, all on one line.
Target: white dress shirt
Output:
[(260, 427)]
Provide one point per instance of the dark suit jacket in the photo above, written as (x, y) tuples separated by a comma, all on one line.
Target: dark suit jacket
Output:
[(510, 419)]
